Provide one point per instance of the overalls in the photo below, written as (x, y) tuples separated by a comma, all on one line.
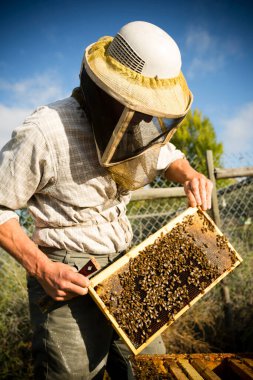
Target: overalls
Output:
[(74, 340)]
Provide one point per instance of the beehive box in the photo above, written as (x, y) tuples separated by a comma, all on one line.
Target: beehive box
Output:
[(153, 284), (193, 366)]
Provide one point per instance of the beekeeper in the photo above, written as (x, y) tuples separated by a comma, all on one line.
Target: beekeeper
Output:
[(73, 163)]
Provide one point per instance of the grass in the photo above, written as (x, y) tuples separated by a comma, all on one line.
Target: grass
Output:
[(15, 333)]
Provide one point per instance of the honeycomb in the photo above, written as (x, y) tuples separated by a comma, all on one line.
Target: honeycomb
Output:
[(149, 290), (184, 366)]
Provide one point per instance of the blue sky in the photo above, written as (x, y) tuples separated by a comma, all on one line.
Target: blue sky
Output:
[(42, 44)]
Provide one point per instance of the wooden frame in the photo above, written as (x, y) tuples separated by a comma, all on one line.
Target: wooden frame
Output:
[(118, 132), (134, 252), (208, 366)]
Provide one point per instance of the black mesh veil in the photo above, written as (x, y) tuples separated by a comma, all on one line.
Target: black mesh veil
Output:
[(103, 110), (142, 132), (128, 142), (142, 135)]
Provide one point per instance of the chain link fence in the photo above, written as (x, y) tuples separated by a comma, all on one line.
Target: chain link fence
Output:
[(235, 199)]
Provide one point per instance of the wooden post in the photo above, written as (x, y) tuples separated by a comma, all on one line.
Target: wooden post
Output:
[(211, 176), (216, 217)]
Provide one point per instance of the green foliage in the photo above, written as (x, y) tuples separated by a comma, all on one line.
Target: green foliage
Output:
[(15, 344), (26, 221), (195, 136)]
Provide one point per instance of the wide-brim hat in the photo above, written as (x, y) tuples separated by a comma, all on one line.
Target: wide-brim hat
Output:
[(162, 97)]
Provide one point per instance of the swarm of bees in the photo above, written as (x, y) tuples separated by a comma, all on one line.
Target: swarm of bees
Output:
[(166, 276)]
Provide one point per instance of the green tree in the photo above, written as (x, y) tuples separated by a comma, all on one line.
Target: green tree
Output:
[(195, 136)]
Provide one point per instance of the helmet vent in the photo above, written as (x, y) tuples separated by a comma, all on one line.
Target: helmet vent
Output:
[(122, 52)]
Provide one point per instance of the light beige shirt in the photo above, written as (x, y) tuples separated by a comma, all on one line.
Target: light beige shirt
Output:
[(50, 165)]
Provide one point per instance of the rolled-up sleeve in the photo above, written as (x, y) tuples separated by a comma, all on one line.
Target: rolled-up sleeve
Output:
[(168, 154), (25, 167)]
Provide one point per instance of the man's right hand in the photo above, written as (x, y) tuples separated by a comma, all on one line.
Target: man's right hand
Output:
[(62, 282)]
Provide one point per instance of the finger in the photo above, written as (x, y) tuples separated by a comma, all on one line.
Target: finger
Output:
[(203, 193), (57, 294), (209, 189), (190, 196), (73, 292), (77, 290), (191, 200), (77, 279), (194, 187), (67, 297)]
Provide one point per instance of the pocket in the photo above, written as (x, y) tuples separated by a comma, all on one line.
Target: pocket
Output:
[(75, 260)]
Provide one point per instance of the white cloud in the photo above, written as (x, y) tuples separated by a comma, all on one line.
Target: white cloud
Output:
[(237, 133), (10, 118), (24, 96), (209, 52), (202, 65), (34, 91), (199, 39)]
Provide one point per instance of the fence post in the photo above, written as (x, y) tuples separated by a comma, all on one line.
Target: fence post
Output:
[(228, 311), (211, 176)]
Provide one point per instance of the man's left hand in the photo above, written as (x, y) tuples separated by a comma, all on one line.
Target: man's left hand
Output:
[(199, 191), (197, 187)]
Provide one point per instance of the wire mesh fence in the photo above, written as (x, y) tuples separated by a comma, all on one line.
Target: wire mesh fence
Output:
[(235, 199)]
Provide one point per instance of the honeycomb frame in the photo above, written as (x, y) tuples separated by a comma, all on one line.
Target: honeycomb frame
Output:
[(106, 287)]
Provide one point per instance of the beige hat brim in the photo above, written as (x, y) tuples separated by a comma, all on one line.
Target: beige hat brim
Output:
[(158, 97)]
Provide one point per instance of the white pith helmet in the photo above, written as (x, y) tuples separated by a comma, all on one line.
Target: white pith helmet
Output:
[(146, 49), (141, 68)]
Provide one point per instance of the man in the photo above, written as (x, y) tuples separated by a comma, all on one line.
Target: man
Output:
[(72, 163)]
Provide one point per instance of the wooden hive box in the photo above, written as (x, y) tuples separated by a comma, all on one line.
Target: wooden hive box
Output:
[(153, 284), (210, 366)]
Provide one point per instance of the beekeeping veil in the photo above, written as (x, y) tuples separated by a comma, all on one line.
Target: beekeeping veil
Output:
[(137, 97)]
